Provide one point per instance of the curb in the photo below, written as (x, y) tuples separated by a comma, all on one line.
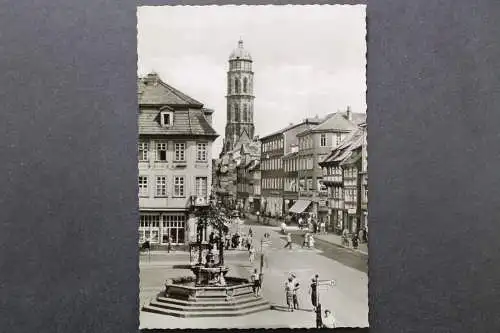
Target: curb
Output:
[(341, 246)]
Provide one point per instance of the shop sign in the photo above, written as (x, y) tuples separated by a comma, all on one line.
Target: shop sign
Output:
[(351, 211)]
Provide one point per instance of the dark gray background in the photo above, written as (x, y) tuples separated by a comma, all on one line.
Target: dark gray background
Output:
[(68, 205)]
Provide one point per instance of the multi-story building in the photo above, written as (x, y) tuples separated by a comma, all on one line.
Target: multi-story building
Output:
[(291, 176), (249, 154), (175, 161), (363, 174), (274, 147), (314, 146), (344, 175), (254, 176), (249, 183)]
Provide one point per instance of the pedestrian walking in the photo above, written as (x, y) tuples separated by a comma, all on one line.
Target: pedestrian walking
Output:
[(296, 288), (305, 242), (310, 241), (169, 244), (360, 236), (288, 241), (323, 227), (345, 239), (313, 291), (256, 283), (250, 232), (289, 287), (329, 320), (354, 241), (283, 227), (251, 254)]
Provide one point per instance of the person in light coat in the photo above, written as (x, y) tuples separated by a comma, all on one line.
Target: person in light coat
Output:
[(329, 320), (310, 241)]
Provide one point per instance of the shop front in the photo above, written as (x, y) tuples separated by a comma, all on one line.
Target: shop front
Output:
[(351, 219), (337, 221), (158, 227)]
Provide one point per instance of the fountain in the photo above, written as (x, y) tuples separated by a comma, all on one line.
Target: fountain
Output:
[(210, 292)]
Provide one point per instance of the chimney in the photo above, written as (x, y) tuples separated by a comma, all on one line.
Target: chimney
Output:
[(151, 78), (348, 113)]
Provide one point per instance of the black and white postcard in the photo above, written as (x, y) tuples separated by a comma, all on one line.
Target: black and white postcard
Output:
[(252, 166)]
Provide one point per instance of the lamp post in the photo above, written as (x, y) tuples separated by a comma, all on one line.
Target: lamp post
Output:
[(261, 260)]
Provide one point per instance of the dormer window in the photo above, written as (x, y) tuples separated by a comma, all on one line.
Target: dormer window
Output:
[(166, 118)]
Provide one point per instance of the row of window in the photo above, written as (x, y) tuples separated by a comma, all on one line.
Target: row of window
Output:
[(335, 192), (239, 86), (272, 183), (302, 184), (179, 183), (273, 145), (244, 116), (160, 149), (332, 171), (291, 185), (350, 195), (244, 65), (351, 173), (307, 142), (272, 164)]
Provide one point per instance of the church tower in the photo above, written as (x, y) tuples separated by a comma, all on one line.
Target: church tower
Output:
[(239, 125)]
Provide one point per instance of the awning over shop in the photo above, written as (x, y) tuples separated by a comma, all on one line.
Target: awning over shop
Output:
[(299, 206)]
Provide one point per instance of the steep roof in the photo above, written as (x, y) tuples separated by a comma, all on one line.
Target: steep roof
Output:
[(357, 118), (313, 121), (353, 158), (336, 121), (186, 122), (345, 150), (153, 91)]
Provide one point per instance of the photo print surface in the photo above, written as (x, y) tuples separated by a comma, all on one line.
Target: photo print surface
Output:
[(252, 159)]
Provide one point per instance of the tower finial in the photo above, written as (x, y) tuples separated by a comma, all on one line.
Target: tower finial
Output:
[(240, 43)]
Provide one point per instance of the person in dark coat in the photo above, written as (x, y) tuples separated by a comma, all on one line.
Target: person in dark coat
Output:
[(355, 241), (313, 290)]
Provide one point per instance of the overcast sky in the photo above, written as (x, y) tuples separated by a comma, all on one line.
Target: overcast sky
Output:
[(308, 60)]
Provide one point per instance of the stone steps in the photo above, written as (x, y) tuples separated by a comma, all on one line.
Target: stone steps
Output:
[(204, 313), (208, 301), (210, 307), (227, 306)]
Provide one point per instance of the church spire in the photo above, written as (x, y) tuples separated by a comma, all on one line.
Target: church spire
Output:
[(239, 97)]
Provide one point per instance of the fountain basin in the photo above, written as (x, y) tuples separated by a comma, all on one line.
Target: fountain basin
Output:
[(190, 291)]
